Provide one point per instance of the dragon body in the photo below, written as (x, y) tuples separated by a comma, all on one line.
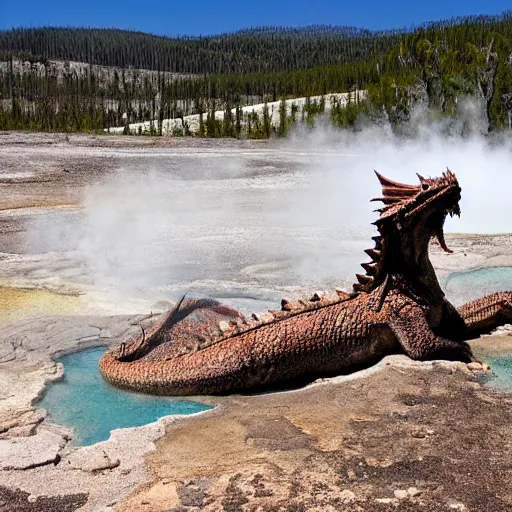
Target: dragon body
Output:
[(203, 347)]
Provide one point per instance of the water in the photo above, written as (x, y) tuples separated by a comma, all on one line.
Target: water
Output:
[(502, 371), (461, 287), (84, 401)]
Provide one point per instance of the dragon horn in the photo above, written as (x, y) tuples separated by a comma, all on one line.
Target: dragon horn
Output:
[(386, 182)]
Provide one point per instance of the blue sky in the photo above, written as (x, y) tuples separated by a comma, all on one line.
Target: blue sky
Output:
[(171, 17)]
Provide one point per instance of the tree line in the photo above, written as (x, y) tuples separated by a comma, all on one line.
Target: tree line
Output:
[(255, 50), (436, 64)]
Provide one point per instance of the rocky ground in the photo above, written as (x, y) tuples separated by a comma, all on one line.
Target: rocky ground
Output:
[(400, 436), (36, 455), (401, 439)]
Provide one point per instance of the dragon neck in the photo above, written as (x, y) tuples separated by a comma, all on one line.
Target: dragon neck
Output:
[(406, 265)]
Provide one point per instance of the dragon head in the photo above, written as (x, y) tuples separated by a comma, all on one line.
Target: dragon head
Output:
[(424, 206), (410, 217)]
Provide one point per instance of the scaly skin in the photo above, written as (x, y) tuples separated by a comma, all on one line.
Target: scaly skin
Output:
[(483, 315), (398, 306)]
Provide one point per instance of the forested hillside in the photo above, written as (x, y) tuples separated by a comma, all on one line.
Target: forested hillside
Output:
[(41, 88), (256, 50)]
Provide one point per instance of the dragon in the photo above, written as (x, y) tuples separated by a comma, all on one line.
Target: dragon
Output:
[(397, 306)]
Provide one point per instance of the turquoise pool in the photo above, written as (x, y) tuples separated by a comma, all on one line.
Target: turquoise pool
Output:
[(462, 287), (84, 401), (502, 371)]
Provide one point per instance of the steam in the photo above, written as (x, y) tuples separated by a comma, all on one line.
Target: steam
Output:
[(256, 222), (483, 164)]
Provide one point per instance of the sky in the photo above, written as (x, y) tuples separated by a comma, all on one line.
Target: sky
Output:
[(204, 17)]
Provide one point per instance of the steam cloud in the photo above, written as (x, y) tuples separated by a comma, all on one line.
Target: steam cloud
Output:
[(291, 215)]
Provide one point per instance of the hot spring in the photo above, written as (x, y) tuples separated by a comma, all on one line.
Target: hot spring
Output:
[(462, 287), (85, 402)]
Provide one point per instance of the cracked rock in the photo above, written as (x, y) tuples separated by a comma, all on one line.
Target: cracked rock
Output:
[(478, 367), (31, 452), (20, 418), (20, 431), (7, 353), (91, 459)]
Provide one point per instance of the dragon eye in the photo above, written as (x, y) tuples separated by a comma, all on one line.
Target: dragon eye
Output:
[(425, 186)]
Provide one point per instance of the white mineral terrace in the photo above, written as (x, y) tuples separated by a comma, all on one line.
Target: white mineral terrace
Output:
[(192, 121)]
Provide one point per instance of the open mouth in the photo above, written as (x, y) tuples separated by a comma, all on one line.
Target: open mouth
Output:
[(439, 228), (454, 210)]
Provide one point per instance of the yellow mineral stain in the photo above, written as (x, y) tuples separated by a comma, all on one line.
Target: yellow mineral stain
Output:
[(19, 303)]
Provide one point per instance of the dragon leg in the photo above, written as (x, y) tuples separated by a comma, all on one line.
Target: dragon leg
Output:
[(452, 325), (483, 315), (419, 342)]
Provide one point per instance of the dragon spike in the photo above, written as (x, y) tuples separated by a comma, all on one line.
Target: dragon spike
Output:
[(364, 279), (374, 254), (286, 304), (371, 268), (449, 177)]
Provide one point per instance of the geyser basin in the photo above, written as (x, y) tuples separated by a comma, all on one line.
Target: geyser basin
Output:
[(84, 401)]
